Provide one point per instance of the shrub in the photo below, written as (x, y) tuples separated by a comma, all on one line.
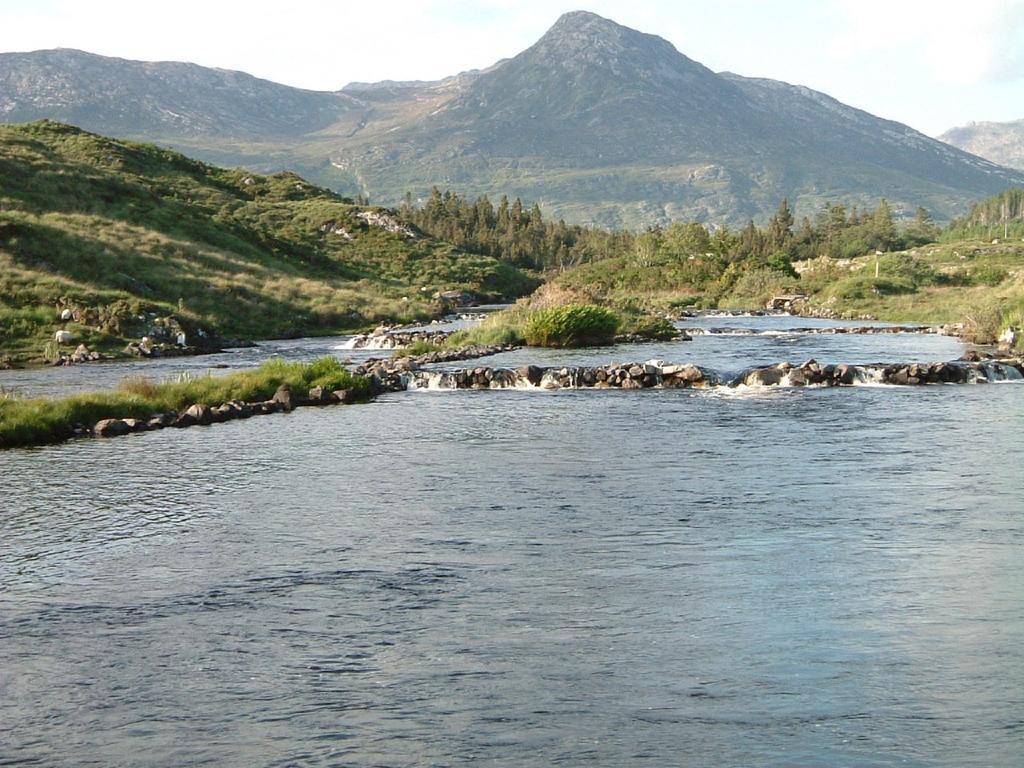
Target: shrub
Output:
[(906, 268), (754, 287), (571, 325), (648, 327), (863, 287), (983, 323), (987, 274)]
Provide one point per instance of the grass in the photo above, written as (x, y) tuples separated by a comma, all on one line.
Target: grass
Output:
[(42, 420), (554, 317), (976, 282), (126, 234), (571, 325), (418, 348)]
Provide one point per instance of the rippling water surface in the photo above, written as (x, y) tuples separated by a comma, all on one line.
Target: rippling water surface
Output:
[(649, 578)]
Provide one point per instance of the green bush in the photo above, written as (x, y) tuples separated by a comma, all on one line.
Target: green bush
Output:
[(648, 327), (907, 268), (987, 274), (421, 347), (863, 287), (571, 325)]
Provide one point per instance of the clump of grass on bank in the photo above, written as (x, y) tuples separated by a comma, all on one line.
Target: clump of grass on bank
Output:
[(647, 327), (571, 325), (418, 348), (504, 327), (41, 420), (553, 324)]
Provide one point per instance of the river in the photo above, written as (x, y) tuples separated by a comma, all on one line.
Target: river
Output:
[(521, 578)]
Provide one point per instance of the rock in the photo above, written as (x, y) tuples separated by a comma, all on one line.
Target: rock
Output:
[(111, 428), (844, 374), (81, 354), (321, 396), (283, 397), (654, 367), (764, 377), (901, 376), (224, 412), (66, 315), (1009, 337), (137, 425), (346, 396), (690, 373), (193, 415), (63, 337), (532, 374)]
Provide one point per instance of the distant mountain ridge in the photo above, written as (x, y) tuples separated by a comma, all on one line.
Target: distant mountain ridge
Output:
[(597, 122), (137, 98), (1001, 143)]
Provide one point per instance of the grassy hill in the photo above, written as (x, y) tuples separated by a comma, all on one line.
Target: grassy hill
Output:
[(135, 240)]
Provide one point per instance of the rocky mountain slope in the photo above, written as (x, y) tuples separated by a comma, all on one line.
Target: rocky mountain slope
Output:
[(1001, 143), (597, 122)]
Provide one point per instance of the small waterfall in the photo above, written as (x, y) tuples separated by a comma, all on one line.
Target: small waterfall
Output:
[(550, 380), (431, 380), (867, 376), (989, 371)]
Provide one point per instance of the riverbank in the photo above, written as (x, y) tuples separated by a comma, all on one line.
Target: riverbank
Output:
[(140, 404)]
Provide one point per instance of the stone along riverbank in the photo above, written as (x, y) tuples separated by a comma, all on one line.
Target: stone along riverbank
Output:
[(659, 374)]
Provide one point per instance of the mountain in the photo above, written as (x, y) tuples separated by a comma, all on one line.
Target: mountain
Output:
[(157, 99), (1001, 143), (597, 122), (133, 240)]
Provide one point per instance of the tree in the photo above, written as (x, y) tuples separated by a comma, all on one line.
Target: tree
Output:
[(683, 240)]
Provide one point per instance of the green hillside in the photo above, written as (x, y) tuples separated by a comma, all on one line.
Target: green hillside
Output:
[(136, 240), (851, 265)]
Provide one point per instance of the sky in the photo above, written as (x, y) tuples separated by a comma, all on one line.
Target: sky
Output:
[(932, 65)]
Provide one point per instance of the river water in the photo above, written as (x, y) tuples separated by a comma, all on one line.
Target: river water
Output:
[(527, 578)]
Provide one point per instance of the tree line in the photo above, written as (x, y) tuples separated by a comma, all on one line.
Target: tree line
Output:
[(520, 235)]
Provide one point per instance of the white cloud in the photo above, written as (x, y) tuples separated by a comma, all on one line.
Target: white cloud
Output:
[(959, 43)]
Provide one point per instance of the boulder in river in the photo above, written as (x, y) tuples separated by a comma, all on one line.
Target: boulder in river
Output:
[(346, 396), (193, 415), (111, 428), (531, 373), (321, 396), (284, 398)]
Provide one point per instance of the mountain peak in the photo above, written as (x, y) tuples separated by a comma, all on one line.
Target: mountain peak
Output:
[(581, 40), (583, 29), (582, 21)]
